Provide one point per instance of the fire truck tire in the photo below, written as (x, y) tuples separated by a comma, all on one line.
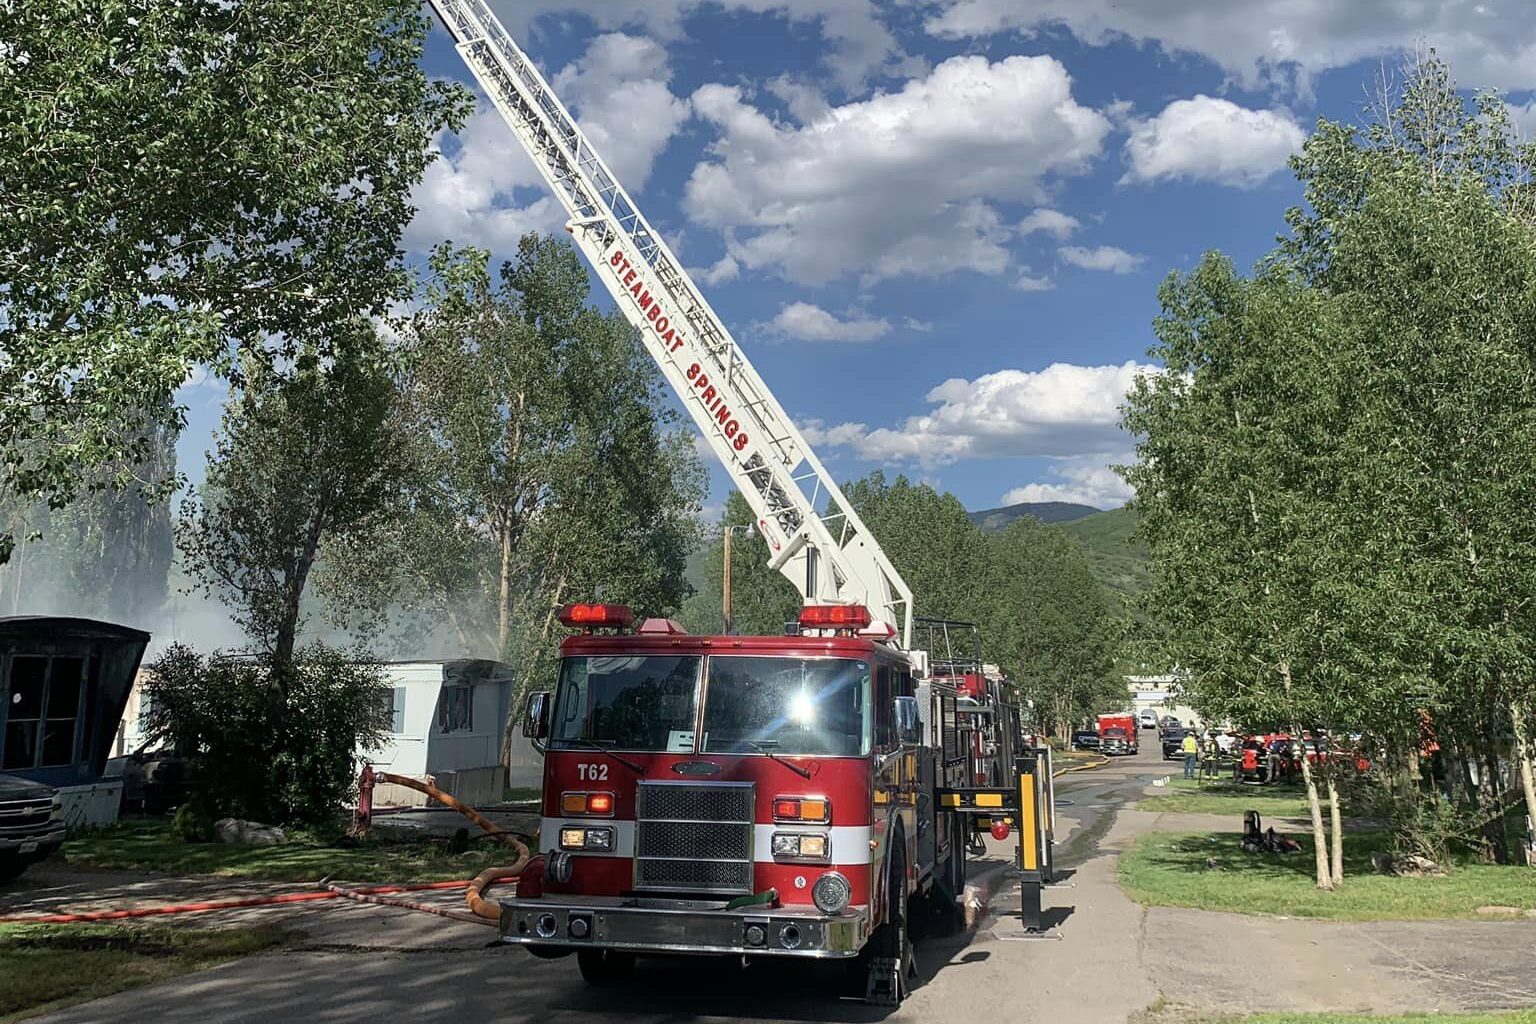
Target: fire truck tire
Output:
[(887, 957), (605, 966)]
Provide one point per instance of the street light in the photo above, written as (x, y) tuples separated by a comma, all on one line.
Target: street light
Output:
[(725, 589)]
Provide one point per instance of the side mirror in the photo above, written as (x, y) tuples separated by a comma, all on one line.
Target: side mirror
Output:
[(536, 715), (908, 726)]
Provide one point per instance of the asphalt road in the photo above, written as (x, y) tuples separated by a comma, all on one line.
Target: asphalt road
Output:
[(428, 970)]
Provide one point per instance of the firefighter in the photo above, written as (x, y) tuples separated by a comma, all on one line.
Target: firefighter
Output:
[(1190, 748)]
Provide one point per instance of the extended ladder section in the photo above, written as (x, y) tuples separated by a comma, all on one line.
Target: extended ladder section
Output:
[(814, 537)]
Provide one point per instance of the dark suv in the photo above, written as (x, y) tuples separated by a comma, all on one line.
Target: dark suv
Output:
[(1173, 741), (31, 824)]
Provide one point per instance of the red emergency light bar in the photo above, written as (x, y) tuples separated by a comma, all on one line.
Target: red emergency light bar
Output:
[(835, 616), (590, 615)]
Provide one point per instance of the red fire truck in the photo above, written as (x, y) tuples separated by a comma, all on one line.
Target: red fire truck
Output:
[(792, 796), (751, 796), (1118, 733)]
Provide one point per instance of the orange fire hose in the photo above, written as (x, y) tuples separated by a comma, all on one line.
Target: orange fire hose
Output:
[(364, 896), (229, 904), (474, 895), (488, 910), (469, 812)]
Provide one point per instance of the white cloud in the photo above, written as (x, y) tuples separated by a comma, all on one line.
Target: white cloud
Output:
[(901, 183), (1524, 118), (861, 43), (920, 326), (618, 92), (468, 195), (1286, 42), (805, 322), (1085, 480), (806, 103), (1209, 139), (723, 270), (1104, 257), (1030, 282), (1052, 222), (1062, 411)]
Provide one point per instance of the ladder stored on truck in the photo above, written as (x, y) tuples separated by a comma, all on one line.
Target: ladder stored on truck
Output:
[(814, 536)]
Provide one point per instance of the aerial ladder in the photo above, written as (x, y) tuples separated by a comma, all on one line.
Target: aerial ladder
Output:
[(813, 534)]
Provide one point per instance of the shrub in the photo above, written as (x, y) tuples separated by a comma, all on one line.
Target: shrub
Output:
[(192, 824), (269, 749)]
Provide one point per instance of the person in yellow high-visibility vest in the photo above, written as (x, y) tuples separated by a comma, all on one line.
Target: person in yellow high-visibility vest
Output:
[(1191, 750)]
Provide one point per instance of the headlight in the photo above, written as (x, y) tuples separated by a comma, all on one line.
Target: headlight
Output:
[(577, 837), (800, 846), (831, 893)]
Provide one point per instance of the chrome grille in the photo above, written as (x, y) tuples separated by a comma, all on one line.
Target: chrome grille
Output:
[(26, 817), (694, 837)]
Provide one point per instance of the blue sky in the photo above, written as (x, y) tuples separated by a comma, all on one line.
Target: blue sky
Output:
[(938, 226)]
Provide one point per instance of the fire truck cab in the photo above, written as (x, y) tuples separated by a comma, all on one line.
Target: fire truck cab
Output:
[(750, 796)]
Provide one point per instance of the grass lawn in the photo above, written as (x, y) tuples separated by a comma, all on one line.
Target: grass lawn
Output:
[(149, 845), (45, 967), (1171, 870), (1223, 796)]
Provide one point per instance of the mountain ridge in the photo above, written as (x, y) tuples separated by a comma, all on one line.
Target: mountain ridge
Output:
[(993, 520)]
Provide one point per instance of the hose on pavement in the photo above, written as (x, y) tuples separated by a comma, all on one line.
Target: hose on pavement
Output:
[(484, 910)]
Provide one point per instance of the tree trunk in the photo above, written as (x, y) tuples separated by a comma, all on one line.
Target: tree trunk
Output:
[(504, 602), (1491, 796), (1523, 757), (1319, 835), (1336, 822)]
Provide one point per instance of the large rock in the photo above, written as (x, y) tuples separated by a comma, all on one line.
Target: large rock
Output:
[(1496, 911), (248, 833)]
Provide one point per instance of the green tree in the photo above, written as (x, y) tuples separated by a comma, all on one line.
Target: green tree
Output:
[(184, 180), (299, 460), (1050, 623), (546, 467), (1422, 217), (1236, 482), (762, 599), (930, 539)]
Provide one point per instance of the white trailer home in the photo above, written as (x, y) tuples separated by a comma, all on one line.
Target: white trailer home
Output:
[(448, 722)]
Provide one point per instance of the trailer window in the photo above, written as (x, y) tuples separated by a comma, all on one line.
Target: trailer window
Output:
[(787, 706), (628, 703)]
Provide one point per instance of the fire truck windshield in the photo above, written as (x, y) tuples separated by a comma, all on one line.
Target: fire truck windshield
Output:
[(789, 705), (628, 703)]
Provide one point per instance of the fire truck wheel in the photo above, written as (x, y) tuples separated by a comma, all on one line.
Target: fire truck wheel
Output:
[(887, 957), (604, 966)]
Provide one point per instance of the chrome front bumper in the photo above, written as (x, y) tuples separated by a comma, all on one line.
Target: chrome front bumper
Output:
[(664, 926), (35, 842)]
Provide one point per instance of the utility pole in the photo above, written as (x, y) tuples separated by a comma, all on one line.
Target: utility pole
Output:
[(725, 588)]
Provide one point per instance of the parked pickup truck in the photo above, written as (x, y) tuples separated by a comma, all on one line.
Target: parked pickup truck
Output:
[(31, 824), (1085, 739)]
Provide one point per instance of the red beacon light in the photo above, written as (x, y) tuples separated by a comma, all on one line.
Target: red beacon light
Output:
[(591, 616), (835, 616)]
